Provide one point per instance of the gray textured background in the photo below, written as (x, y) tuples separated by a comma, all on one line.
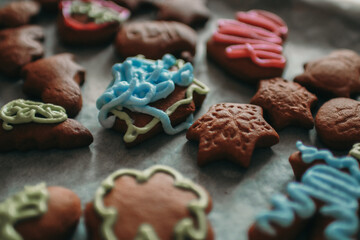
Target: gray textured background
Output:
[(238, 194)]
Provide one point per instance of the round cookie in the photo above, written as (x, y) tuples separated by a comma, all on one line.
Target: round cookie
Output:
[(90, 22), (19, 13), (250, 47), (158, 203), (336, 75), (154, 39), (40, 213), (337, 123)]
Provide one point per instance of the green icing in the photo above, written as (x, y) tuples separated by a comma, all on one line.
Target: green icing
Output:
[(95, 11), (133, 131), (24, 111), (30, 203), (187, 228), (355, 151)]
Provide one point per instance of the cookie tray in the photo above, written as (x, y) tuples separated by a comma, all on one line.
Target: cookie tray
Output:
[(238, 194)]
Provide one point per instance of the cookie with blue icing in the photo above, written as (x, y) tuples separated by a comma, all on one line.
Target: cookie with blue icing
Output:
[(325, 201), (147, 97)]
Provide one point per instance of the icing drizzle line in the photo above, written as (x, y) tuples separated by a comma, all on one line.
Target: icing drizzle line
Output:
[(25, 111), (338, 190), (186, 228), (255, 34), (138, 82), (29, 203)]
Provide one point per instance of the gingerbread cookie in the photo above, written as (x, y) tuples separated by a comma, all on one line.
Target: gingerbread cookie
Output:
[(19, 13), (153, 39), (18, 47), (286, 103), (147, 97), (179, 10), (231, 131), (27, 125), (84, 22), (158, 203), (40, 213), (336, 75), (337, 123), (56, 80), (250, 47), (326, 198)]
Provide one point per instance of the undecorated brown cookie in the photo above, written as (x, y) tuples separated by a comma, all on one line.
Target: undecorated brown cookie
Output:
[(336, 75), (250, 47), (286, 103), (337, 123), (18, 47), (56, 80), (40, 213), (18, 13), (90, 22), (180, 11), (153, 39), (164, 100), (27, 125), (231, 131), (158, 203), (322, 205)]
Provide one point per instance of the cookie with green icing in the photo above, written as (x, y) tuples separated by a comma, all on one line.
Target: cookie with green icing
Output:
[(147, 97), (40, 213), (158, 203), (27, 125)]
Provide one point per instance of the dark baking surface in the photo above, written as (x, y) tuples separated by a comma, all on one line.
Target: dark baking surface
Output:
[(238, 194)]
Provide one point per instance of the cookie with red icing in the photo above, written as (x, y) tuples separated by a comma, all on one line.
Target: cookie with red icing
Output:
[(90, 22), (250, 47), (19, 13)]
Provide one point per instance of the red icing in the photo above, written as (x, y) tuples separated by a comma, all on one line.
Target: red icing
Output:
[(65, 9), (256, 34)]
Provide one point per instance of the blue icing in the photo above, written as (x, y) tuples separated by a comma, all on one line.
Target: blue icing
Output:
[(338, 190), (138, 82)]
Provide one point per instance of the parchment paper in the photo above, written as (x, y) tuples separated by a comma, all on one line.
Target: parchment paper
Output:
[(238, 194)]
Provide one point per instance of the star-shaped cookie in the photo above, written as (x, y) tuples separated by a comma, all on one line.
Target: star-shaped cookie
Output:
[(286, 103), (336, 75), (189, 12), (231, 131)]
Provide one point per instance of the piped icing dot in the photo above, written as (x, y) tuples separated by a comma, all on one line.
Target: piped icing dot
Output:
[(30, 203), (139, 82), (22, 111), (338, 190), (256, 34)]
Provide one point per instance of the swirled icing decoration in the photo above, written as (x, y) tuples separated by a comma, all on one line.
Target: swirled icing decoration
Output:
[(138, 82), (338, 191), (256, 34), (30, 203), (22, 111), (194, 227), (355, 151)]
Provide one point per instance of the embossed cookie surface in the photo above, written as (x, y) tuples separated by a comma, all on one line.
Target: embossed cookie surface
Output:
[(154, 204), (286, 103), (231, 131), (179, 10), (18, 13), (18, 47), (338, 123), (336, 75), (56, 80), (153, 39)]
